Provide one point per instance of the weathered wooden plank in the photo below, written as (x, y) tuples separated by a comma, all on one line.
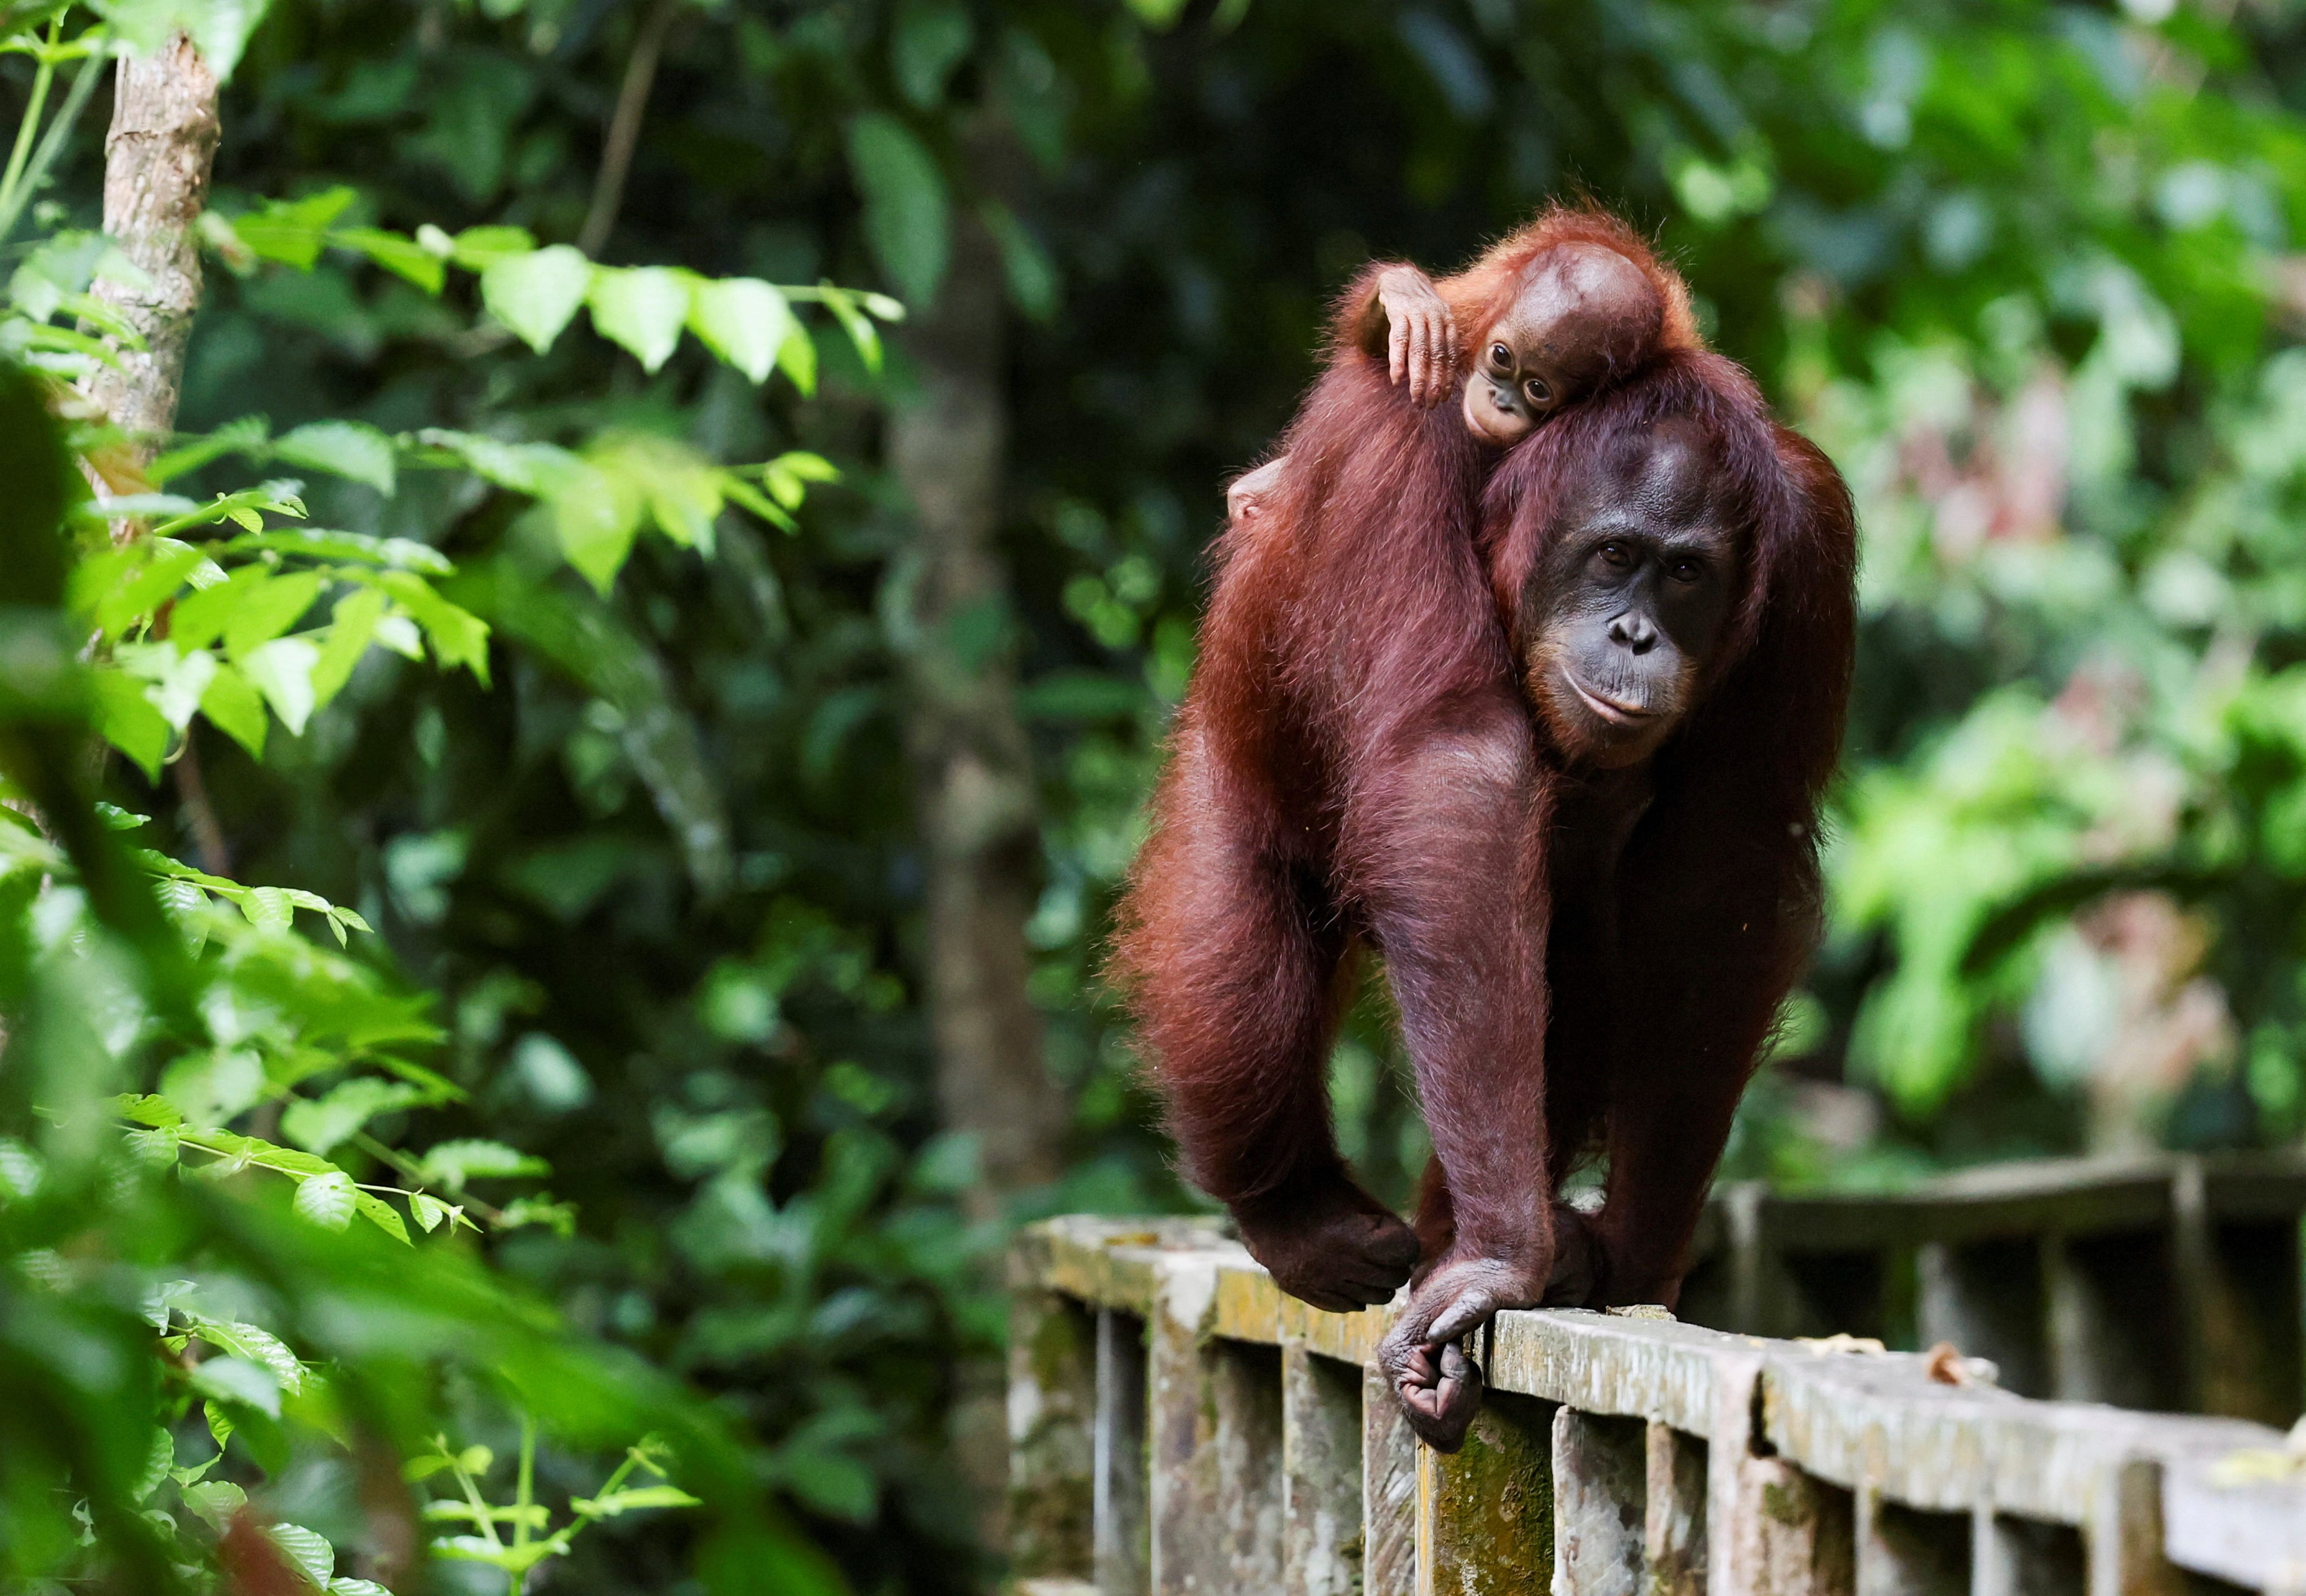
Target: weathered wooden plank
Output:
[(1320, 1474), (1388, 1493), (1901, 1552), (1485, 1512), (1673, 1530), (1122, 1554), (2241, 1321), (1600, 1504), (1252, 1499), (2237, 1517), (2116, 1333), (1610, 1363), (1052, 1409)]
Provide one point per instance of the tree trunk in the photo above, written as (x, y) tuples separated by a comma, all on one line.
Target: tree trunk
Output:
[(973, 769), (156, 182)]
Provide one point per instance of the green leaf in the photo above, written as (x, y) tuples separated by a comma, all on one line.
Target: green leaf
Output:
[(476, 249), (642, 309), (121, 587), (328, 1199), (352, 450), (309, 1549), (906, 219), (282, 671), (255, 1344), (745, 321), (632, 1501), (320, 1124), (208, 1088), (262, 610), (451, 1164), (292, 232), (350, 632), (927, 42), (430, 1211), (797, 359), (238, 1379), (535, 294), (383, 1215), (459, 636), (220, 28), (396, 254), (235, 707)]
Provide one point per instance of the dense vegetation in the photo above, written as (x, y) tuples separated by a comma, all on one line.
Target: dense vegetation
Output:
[(621, 719)]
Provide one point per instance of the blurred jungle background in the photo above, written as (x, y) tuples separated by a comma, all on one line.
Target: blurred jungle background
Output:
[(738, 893)]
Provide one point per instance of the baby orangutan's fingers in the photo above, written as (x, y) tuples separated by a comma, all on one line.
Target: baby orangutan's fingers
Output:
[(1397, 350)]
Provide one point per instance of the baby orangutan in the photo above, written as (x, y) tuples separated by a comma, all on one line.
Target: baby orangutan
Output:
[(1555, 323)]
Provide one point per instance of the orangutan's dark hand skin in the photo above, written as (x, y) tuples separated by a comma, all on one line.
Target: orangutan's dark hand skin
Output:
[(1329, 1244)]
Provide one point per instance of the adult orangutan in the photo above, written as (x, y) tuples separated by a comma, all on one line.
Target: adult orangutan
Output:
[(1550, 740)]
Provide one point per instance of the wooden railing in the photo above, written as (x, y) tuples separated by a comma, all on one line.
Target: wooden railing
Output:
[(1179, 1426)]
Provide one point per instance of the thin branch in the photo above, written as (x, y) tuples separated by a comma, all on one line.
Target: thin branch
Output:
[(625, 128)]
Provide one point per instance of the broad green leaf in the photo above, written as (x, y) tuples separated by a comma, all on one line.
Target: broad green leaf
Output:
[(857, 325), (797, 359), (350, 631), (459, 636), (220, 28), (199, 618), (451, 1164), (255, 1344), (352, 450), (127, 719), (540, 468), (356, 1587), (292, 232), (119, 588), (744, 320), (595, 531), (309, 1549), (177, 690), (239, 437), (642, 309), (397, 254), (319, 1124), (213, 1087), (268, 909), (929, 41), (430, 1211), (238, 1379), (282, 671), (383, 1215), (327, 1200), (535, 294), (216, 1502), (148, 1108), (476, 249), (906, 219), (235, 707), (159, 1458), (262, 610)]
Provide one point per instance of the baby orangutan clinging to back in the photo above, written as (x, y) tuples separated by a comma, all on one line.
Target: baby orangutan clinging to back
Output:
[(1557, 312)]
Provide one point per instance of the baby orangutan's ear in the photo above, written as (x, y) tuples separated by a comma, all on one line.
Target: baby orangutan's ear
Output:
[(1247, 494)]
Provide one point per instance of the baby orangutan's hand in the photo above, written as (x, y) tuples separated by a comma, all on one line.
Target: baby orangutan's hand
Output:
[(1421, 334)]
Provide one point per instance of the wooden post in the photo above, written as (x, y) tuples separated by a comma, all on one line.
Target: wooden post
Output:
[(1771, 1529), (1388, 1493), (1123, 1556), (2113, 1320), (1051, 1413), (2122, 1537), (1601, 1492), (1986, 1298), (1673, 1529), (1485, 1514), (1321, 1547), (1901, 1552), (2011, 1556), (1215, 1421), (2239, 1303)]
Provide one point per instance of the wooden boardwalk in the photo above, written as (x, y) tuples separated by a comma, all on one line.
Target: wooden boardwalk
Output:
[(1179, 1426)]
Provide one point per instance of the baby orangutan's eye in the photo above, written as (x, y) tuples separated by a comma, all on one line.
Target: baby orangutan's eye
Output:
[(1686, 571), (1501, 357), (1617, 554), (1538, 392)]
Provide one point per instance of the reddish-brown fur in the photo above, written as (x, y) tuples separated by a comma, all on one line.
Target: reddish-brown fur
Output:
[(1356, 757)]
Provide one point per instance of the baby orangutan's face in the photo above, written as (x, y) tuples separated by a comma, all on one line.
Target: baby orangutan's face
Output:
[(1584, 313)]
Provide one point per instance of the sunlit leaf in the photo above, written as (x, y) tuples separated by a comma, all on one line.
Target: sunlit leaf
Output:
[(642, 309), (535, 294)]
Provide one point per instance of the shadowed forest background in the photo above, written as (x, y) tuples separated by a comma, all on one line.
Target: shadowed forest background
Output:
[(761, 890)]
